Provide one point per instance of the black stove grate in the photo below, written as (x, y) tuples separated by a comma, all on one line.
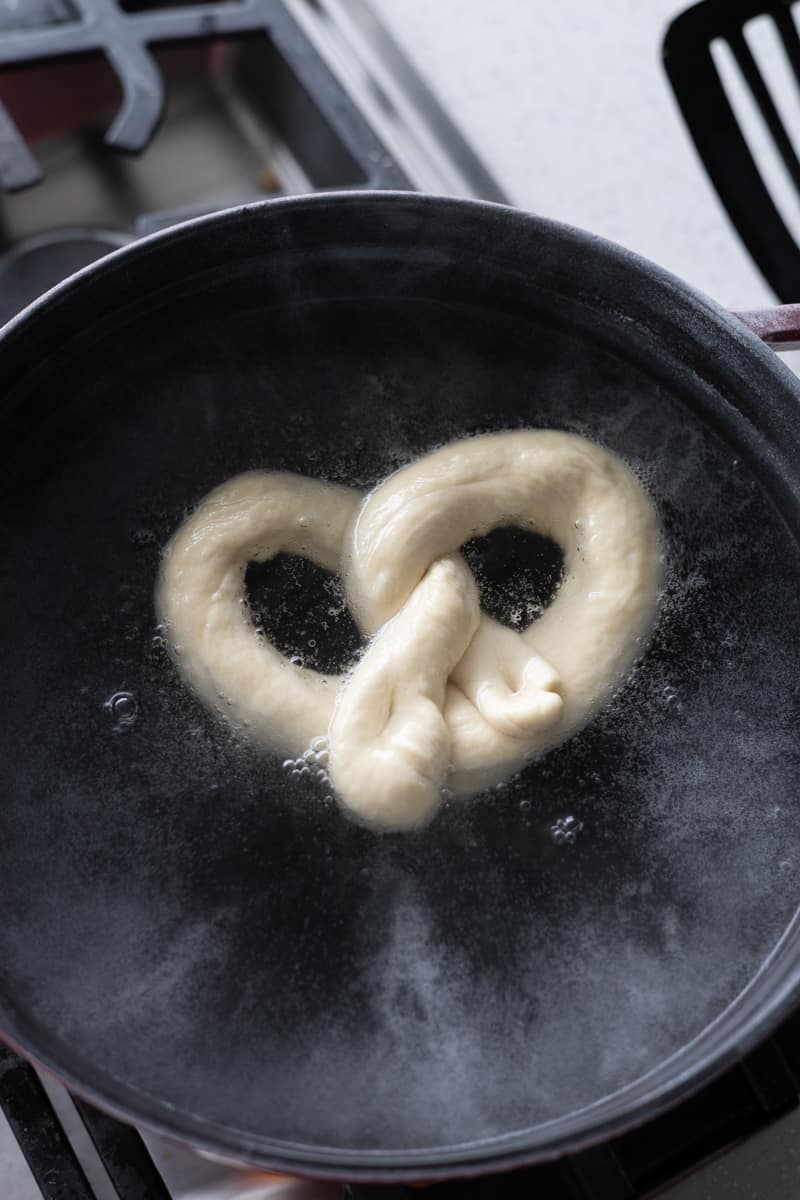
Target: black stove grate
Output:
[(55, 30), (49, 1153)]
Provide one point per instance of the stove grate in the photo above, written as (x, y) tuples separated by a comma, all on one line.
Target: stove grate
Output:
[(125, 38), (49, 1153)]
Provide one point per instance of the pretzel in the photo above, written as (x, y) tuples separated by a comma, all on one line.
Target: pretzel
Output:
[(443, 696)]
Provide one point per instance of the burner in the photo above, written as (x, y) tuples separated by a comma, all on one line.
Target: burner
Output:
[(36, 264)]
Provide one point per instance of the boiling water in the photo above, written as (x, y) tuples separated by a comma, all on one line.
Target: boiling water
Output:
[(209, 912)]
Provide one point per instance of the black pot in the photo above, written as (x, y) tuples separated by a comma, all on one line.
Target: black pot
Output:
[(196, 943)]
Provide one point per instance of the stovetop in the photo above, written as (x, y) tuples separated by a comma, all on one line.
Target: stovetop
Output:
[(130, 115), (280, 96)]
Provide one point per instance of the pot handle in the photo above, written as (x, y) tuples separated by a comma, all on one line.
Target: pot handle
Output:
[(778, 327)]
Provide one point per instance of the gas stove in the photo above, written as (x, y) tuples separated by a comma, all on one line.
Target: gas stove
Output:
[(121, 117)]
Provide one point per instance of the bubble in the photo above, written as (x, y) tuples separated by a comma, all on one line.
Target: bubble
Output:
[(296, 660), (564, 831), (294, 773), (311, 643), (143, 537), (123, 709), (288, 764), (318, 743), (524, 806), (309, 755)]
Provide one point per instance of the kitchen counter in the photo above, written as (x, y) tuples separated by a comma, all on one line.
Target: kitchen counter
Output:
[(570, 108)]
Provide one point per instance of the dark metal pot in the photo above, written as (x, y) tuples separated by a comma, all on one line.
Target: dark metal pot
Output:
[(197, 943)]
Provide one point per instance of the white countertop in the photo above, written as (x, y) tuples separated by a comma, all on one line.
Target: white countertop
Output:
[(569, 106)]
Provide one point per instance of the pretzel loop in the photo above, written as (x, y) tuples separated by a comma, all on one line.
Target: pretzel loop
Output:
[(443, 695)]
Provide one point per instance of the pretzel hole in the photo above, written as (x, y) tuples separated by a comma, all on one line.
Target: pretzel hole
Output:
[(518, 573), (301, 608)]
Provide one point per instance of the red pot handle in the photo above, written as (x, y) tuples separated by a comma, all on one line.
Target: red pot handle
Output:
[(778, 327)]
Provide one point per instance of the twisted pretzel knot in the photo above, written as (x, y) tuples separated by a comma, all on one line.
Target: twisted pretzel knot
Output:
[(443, 695)]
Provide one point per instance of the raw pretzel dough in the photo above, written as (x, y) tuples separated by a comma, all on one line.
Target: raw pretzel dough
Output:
[(443, 695)]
